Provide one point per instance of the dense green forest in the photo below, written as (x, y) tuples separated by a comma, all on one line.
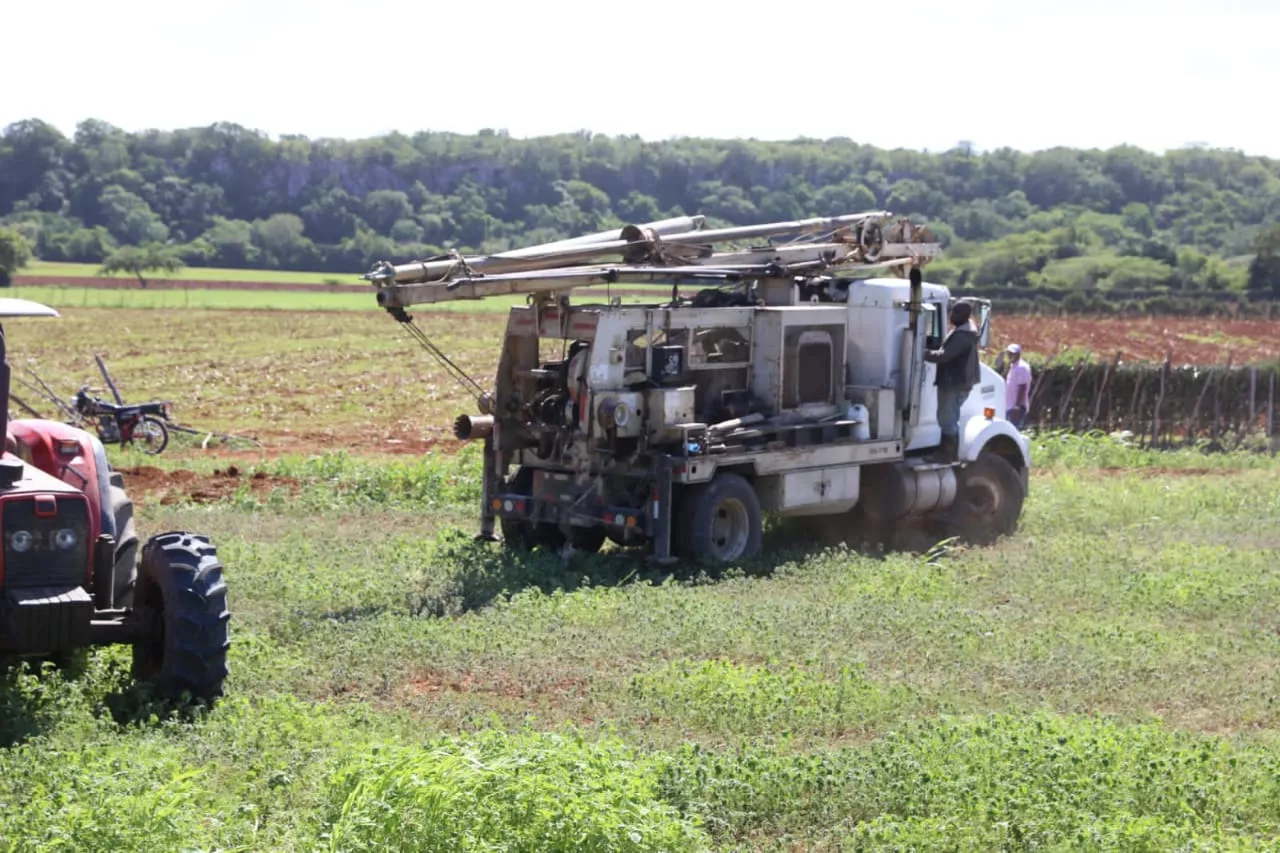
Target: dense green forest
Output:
[(1124, 220)]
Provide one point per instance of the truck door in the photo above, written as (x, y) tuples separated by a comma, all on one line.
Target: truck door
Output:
[(927, 433)]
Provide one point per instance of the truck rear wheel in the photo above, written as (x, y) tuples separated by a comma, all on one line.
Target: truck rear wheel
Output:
[(989, 498), (180, 580), (719, 522), (523, 535)]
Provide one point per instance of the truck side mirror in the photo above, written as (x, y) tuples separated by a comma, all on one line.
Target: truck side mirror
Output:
[(984, 330)]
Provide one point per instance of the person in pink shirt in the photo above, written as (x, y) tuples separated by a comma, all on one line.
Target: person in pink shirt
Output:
[(1017, 389)]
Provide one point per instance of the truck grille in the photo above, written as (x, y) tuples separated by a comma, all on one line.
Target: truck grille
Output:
[(44, 563)]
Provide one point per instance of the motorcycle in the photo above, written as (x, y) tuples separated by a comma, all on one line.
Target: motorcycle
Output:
[(122, 424)]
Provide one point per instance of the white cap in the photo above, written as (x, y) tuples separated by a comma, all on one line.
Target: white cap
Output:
[(1013, 348)]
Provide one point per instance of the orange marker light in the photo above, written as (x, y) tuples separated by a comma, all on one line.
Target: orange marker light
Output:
[(988, 413)]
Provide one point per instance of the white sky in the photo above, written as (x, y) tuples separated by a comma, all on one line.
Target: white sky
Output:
[(917, 74)]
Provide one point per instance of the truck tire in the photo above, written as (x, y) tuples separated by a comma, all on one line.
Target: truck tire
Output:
[(719, 522), (517, 533), (180, 581), (989, 498), (120, 505)]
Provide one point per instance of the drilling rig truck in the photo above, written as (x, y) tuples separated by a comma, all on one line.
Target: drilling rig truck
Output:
[(776, 368)]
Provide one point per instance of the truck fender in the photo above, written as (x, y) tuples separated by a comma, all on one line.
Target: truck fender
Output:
[(1003, 437)]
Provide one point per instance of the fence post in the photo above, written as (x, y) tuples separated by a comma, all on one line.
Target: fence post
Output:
[(1155, 415), (1271, 403), (1253, 393), (1194, 420), (1071, 391), (1217, 399), (1133, 401), (1097, 402)]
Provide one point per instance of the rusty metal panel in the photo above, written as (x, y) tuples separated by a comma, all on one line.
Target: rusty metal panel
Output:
[(582, 324), (522, 322)]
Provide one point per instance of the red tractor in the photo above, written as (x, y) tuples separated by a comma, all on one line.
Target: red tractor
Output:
[(71, 573)]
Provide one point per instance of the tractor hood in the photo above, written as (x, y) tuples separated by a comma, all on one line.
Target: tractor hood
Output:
[(17, 476)]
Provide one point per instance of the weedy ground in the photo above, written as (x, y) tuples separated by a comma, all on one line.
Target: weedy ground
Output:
[(1104, 680)]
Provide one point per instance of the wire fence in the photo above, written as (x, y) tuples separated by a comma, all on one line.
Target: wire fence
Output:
[(1161, 405)]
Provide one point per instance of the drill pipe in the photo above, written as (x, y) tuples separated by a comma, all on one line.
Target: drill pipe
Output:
[(541, 256)]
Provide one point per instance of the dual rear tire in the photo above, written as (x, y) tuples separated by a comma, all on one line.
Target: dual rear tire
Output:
[(720, 522), (716, 523), (522, 535)]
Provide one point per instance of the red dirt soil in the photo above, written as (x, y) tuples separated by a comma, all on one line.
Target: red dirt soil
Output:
[(170, 487), (1190, 340), (281, 442), (496, 684)]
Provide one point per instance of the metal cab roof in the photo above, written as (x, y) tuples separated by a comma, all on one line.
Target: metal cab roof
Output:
[(13, 307)]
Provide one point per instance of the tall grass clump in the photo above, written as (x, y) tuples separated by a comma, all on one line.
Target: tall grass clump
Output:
[(1017, 781), (495, 791), (433, 480), (1060, 448), (768, 702)]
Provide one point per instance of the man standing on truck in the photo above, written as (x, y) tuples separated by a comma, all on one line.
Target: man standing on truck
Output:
[(1017, 393), (956, 375)]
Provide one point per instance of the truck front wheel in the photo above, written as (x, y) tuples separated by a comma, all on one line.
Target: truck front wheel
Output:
[(989, 499), (719, 522)]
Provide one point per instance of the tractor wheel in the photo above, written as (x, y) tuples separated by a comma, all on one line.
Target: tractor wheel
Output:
[(120, 505), (180, 580), (719, 522), (154, 435), (989, 497)]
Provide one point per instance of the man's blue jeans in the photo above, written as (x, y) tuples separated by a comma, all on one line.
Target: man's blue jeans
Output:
[(949, 403)]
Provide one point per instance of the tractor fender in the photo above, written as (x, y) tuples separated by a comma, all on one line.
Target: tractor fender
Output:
[(979, 433), (36, 440)]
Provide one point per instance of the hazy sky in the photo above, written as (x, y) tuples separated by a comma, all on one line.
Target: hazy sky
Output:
[(920, 74)]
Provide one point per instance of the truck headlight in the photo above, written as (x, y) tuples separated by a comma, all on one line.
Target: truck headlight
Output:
[(65, 539), (621, 414), (20, 541)]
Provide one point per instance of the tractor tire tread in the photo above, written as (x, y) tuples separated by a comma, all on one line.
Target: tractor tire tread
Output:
[(182, 572)]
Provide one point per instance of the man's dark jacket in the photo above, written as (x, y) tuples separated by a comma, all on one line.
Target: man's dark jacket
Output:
[(957, 361)]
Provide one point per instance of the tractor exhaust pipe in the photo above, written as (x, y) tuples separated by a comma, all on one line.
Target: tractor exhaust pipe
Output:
[(468, 427)]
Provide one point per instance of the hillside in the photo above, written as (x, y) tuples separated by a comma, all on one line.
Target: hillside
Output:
[(1122, 220)]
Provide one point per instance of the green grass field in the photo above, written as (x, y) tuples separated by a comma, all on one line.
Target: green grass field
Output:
[(73, 271), (1104, 680)]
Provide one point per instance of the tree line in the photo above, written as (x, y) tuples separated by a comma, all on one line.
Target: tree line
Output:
[(1191, 221)]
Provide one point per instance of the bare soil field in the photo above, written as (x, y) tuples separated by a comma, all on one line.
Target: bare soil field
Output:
[(1189, 340), (1106, 675), (305, 382)]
